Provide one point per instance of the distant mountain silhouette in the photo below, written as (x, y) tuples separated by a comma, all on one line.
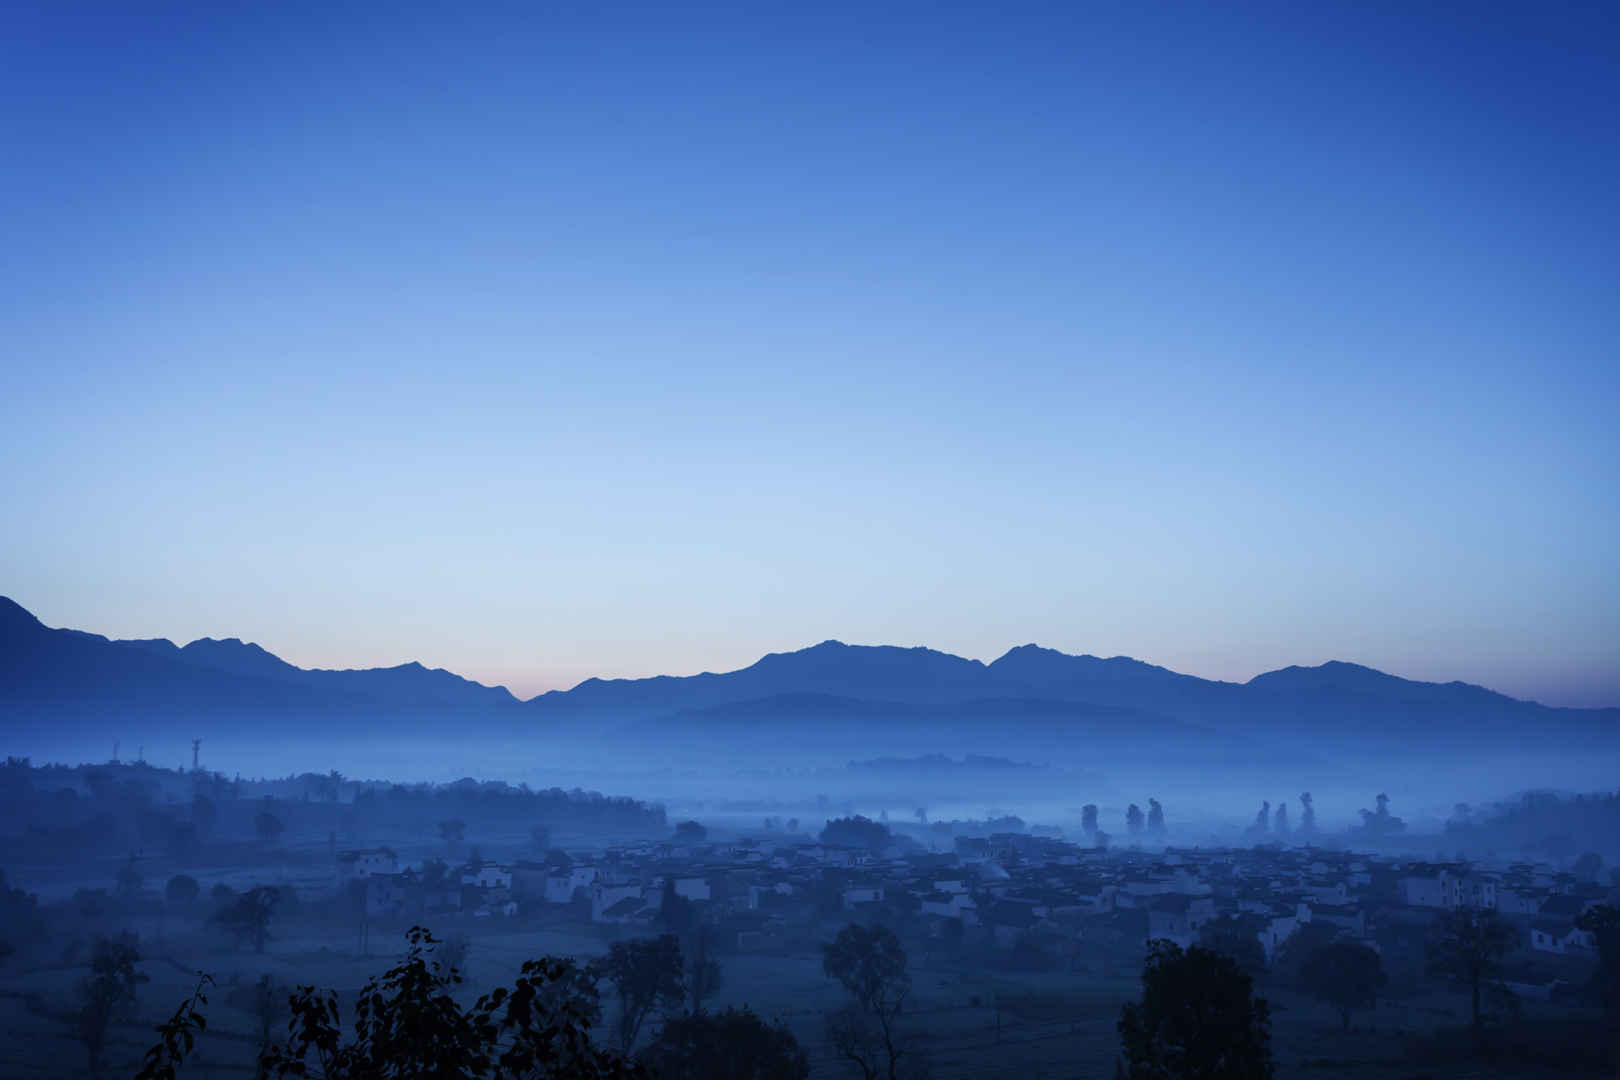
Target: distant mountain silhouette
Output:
[(1030, 693), (44, 668)]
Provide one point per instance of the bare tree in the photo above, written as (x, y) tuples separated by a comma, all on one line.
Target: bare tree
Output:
[(871, 965)]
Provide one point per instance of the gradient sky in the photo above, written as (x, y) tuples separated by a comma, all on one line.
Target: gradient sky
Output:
[(605, 340)]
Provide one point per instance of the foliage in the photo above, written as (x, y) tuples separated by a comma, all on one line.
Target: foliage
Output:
[(267, 825), (731, 1045), (1307, 813), (646, 974), (1155, 817), (1237, 938), (1346, 976), (452, 832), (1470, 947), (108, 993), (857, 831), (182, 891), (1088, 818), (871, 965), (1198, 1019), (1135, 822), (247, 918), (691, 832), (1604, 921), (1380, 822), (177, 1036), (407, 1024)]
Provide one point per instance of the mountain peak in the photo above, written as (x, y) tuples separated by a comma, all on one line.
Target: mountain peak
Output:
[(14, 617)]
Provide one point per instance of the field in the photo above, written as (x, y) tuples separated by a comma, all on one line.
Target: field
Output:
[(966, 1024)]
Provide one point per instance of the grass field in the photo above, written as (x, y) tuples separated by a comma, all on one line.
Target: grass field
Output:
[(968, 1025)]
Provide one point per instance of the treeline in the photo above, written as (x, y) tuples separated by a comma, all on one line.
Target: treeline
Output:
[(1540, 823), (59, 814)]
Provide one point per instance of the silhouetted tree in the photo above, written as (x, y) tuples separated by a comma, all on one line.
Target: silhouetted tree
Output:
[(1155, 820), (1262, 820), (1470, 948), (1279, 821), (857, 831), (408, 1024), (1236, 937), (1198, 1018), (691, 832), (647, 975), (1088, 819), (182, 891), (704, 976), (248, 917), (870, 964), (453, 832), (731, 1045), (204, 814), (108, 993), (1380, 822), (267, 825), (1307, 813), (1346, 976), (1604, 922), (129, 881), (1134, 821)]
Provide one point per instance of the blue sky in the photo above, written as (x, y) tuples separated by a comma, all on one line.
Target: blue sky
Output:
[(595, 340)]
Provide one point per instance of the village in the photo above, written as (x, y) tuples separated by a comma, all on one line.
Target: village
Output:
[(1014, 900)]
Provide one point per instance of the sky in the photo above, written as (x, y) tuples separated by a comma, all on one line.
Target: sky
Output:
[(554, 341)]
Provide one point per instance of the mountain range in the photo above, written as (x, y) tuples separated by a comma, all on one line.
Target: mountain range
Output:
[(71, 677)]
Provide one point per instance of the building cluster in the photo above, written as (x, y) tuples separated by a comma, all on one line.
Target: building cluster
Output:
[(1049, 900)]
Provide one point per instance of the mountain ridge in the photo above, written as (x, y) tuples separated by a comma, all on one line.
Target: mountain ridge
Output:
[(44, 668)]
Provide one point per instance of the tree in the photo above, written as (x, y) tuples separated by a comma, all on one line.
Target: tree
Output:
[(646, 974), (1346, 976), (857, 831), (871, 965), (268, 826), (1088, 819), (703, 974), (1198, 1019), (247, 918), (1280, 821), (407, 1023), (1262, 820), (1604, 922), (1471, 945), (1155, 818), (731, 1045), (1380, 822), (452, 832), (1588, 866), (1307, 813), (1238, 938), (108, 993), (182, 891), (204, 814), (1134, 821), (130, 881), (691, 832)]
